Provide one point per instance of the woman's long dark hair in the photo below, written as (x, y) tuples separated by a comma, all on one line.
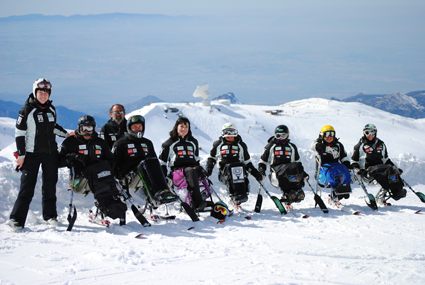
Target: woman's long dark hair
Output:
[(181, 120)]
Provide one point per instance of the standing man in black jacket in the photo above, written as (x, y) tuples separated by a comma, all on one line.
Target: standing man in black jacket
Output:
[(35, 134), (116, 127)]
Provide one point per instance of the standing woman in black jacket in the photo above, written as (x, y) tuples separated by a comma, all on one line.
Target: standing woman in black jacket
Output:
[(181, 152), (35, 134)]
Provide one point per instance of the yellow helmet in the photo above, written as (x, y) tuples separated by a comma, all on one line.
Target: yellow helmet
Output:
[(327, 130)]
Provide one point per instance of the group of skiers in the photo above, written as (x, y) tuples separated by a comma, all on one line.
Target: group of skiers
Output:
[(97, 162)]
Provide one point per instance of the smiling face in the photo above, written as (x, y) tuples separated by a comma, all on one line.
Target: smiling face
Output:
[(42, 96), (182, 129), (117, 114)]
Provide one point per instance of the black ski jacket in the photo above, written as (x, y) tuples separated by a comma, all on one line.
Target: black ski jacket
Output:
[(276, 153), (369, 153), (36, 128), (111, 131), (89, 152), (178, 153), (226, 152), (129, 151)]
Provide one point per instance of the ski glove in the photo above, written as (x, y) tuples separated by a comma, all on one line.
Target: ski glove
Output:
[(209, 171), (332, 151), (71, 159), (362, 173), (400, 171)]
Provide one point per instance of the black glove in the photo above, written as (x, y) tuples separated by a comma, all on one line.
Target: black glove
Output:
[(400, 171), (362, 173), (71, 158), (306, 177), (320, 147), (348, 165), (257, 175), (209, 171)]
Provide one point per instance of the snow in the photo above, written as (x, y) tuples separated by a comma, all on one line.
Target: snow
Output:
[(383, 247)]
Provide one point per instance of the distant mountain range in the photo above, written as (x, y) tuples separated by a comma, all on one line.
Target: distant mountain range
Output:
[(230, 96), (67, 118), (410, 105)]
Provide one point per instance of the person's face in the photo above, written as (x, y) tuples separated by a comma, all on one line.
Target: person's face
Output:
[(230, 139), (370, 135), (117, 114), (328, 139), (86, 130), (182, 129), (137, 128), (42, 96)]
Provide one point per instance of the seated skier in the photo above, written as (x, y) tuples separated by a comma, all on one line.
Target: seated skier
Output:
[(92, 163), (371, 163), (334, 164), (234, 162), (129, 152), (286, 170)]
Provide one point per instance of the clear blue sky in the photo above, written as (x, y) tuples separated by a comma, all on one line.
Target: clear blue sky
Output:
[(264, 51)]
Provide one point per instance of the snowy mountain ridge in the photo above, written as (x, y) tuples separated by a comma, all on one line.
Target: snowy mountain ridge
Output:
[(375, 247)]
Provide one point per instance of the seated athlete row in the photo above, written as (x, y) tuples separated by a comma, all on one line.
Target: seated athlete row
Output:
[(88, 155)]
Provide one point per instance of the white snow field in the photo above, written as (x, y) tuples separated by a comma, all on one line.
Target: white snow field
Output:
[(375, 247)]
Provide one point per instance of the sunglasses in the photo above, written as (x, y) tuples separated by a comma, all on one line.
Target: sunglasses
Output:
[(230, 132), (328, 134), (281, 135), (118, 112), (88, 128), (137, 119), (221, 209), (369, 132), (44, 85)]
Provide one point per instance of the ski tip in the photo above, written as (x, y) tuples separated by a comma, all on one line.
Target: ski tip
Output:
[(357, 213), (140, 236), (305, 216), (221, 221), (191, 228), (418, 212), (248, 217)]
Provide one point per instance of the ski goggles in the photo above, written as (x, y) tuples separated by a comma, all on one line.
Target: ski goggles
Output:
[(137, 119), (370, 133), (230, 133), (44, 85), (118, 112), (281, 135), (221, 209), (86, 128), (329, 134)]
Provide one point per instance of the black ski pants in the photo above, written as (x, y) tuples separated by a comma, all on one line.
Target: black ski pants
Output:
[(49, 167), (192, 177)]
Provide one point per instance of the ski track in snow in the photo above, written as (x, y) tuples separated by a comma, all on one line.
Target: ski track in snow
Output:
[(375, 247)]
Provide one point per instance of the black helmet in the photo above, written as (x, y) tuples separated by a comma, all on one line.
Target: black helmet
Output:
[(136, 119), (281, 131), (86, 120)]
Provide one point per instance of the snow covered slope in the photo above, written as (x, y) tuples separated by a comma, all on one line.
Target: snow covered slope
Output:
[(376, 247)]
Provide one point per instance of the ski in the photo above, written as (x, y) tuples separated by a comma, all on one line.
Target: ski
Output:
[(238, 209), (105, 223), (290, 209), (342, 208), (140, 236), (156, 218)]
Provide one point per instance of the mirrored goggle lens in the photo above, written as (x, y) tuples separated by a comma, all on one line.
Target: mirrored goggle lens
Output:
[(118, 112), (221, 209), (281, 135), (87, 128), (370, 132), (44, 85), (230, 132), (329, 134), (137, 119)]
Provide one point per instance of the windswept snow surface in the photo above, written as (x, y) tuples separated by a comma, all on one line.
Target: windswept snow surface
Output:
[(375, 247)]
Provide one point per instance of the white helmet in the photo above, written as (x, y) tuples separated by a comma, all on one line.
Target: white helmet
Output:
[(41, 84), (229, 130)]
